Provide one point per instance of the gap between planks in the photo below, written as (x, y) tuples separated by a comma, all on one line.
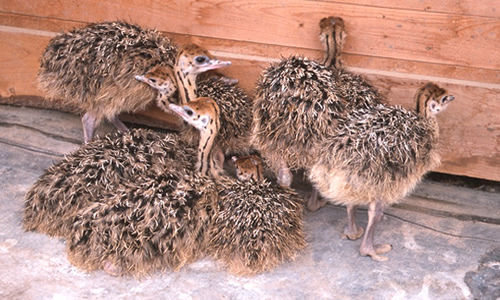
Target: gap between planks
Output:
[(225, 54), (442, 12)]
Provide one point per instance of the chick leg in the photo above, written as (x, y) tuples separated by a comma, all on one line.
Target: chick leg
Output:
[(89, 123), (218, 158), (119, 124), (352, 231), (284, 175), (375, 212), (314, 203)]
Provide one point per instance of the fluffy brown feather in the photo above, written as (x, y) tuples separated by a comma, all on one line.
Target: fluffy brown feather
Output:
[(93, 67), (256, 226), (298, 102), (376, 156)]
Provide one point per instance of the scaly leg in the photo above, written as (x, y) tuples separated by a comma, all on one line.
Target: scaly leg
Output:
[(284, 175), (375, 212), (352, 231), (119, 124), (218, 158), (314, 202), (89, 123)]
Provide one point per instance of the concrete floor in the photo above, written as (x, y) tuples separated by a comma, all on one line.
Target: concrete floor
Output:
[(439, 234)]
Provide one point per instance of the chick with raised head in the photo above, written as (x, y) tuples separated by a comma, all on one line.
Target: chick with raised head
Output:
[(376, 156), (298, 101), (159, 220), (352, 87), (234, 103)]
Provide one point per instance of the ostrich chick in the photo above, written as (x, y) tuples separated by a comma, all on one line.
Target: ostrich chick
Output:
[(92, 68), (256, 225), (298, 101), (376, 156), (158, 220), (352, 87), (248, 167)]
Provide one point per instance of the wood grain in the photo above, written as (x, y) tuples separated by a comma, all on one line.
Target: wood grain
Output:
[(268, 53), (19, 62), (470, 128), (402, 34), (459, 7), (265, 53)]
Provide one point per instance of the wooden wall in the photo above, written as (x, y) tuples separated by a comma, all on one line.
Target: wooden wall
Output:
[(398, 45)]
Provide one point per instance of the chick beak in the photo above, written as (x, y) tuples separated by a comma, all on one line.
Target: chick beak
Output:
[(140, 78), (215, 64), (178, 110), (449, 98)]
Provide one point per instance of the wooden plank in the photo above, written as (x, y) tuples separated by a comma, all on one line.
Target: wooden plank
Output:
[(268, 53), (470, 134), (460, 7), (19, 62), (393, 33)]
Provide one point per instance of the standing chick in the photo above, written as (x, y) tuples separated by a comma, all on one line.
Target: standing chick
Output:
[(376, 156), (352, 87), (93, 69), (298, 101)]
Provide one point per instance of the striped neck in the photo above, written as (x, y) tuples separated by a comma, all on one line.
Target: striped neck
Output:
[(332, 37), (422, 97), (331, 58), (207, 164), (186, 84), (204, 164)]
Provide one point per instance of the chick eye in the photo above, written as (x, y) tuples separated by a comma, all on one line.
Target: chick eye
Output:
[(201, 59), (152, 80), (189, 111)]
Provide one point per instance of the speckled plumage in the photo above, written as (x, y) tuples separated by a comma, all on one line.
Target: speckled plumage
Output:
[(294, 106), (156, 220), (379, 151), (376, 156), (93, 67), (298, 102), (150, 205), (101, 165), (148, 213), (256, 226), (154, 223)]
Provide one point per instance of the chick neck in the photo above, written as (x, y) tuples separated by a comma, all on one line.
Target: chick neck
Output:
[(332, 37)]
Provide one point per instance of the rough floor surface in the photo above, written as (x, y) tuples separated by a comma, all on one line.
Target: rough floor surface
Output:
[(439, 234)]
